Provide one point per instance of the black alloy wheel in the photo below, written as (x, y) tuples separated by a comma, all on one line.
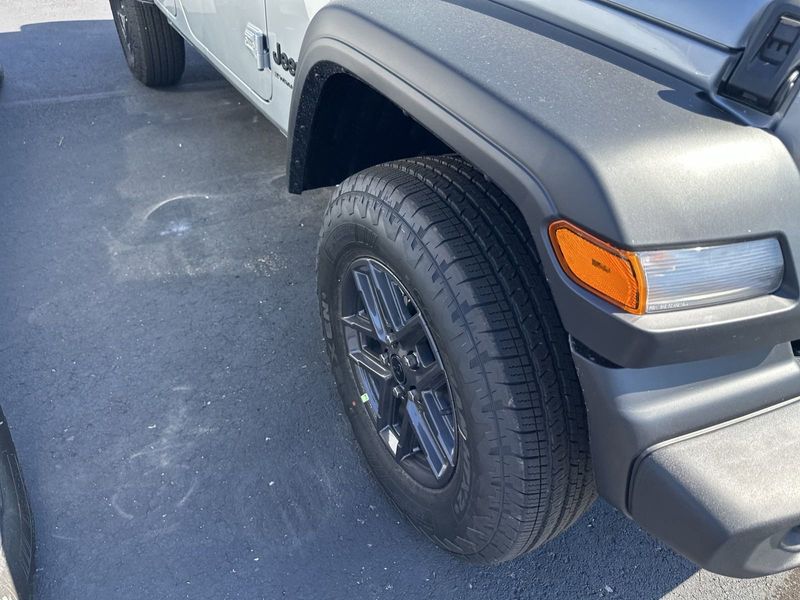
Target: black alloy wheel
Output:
[(402, 381)]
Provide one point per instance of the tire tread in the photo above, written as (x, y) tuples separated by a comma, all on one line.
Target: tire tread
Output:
[(159, 51)]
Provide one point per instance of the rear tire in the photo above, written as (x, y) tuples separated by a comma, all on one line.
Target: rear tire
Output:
[(153, 49), (457, 246)]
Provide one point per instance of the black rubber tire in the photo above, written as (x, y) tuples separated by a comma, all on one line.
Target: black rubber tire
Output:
[(154, 51), (17, 543), (523, 471)]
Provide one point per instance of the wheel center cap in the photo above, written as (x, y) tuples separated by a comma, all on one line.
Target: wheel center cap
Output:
[(397, 369)]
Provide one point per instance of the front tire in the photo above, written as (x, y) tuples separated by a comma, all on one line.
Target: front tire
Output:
[(154, 51), (431, 237)]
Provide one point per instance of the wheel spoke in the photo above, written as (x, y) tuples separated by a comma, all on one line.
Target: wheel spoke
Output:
[(361, 324), (387, 406), (376, 384), (443, 428), (430, 377), (411, 332), (405, 437), (427, 440), (374, 366), (372, 306), (389, 297)]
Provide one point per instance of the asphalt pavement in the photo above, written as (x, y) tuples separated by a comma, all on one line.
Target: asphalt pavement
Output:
[(162, 369)]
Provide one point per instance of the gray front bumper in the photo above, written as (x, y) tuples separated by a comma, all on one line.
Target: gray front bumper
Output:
[(727, 497), (704, 455)]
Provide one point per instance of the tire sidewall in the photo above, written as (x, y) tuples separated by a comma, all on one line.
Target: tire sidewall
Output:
[(129, 31)]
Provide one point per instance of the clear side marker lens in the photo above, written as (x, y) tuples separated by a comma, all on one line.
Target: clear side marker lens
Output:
[(703, 276)]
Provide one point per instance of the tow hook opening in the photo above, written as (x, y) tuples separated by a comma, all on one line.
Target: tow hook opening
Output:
[(791, 541)]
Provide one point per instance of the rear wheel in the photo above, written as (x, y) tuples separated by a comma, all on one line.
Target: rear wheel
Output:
[(450, 358), (153, 49)]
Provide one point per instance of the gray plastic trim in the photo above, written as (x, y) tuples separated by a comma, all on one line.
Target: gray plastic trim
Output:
[(708, 430), (633, 410), (727, 497)]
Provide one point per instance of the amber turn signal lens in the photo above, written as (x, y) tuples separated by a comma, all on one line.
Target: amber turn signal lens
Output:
[(613, 274)]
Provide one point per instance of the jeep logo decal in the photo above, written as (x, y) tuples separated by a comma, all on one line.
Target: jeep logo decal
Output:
[(289, 64)]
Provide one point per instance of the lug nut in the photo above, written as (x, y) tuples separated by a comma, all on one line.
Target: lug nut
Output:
[(411, 361), (397, 391)]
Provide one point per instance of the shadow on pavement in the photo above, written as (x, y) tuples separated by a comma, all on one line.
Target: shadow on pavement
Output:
[(45, 61), (163, 368)]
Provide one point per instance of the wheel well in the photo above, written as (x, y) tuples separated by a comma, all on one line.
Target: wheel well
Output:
[(353, 127)]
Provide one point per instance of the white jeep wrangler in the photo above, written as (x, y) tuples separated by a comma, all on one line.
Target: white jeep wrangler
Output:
[(560, 255)]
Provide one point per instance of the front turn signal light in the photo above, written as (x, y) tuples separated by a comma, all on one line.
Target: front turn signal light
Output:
[(667, 280), (613, 274)]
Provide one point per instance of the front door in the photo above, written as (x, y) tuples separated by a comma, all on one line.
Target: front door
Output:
[(234, 32)]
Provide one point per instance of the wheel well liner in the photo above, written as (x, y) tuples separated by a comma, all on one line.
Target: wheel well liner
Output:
[(355, 127)]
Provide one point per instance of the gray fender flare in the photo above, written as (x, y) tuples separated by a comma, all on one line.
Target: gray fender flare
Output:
[(568, 128)]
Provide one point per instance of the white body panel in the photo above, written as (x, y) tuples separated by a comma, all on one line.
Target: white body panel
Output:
[(217, 29)]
